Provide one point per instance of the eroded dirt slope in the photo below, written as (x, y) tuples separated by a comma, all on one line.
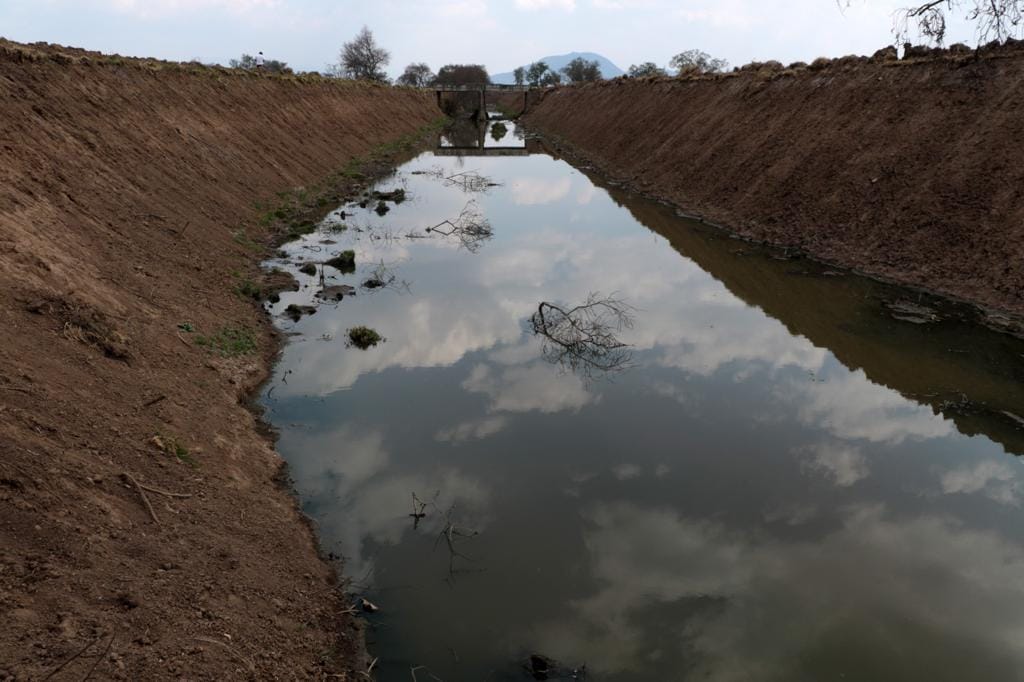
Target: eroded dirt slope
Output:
[(910, 170), (128, 234)]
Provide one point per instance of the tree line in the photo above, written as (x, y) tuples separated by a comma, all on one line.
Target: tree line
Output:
[(362, 58)]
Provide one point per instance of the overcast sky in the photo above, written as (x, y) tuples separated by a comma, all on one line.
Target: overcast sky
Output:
[(501, 34)]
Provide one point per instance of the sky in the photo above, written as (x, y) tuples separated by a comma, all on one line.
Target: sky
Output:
[(501, 34)]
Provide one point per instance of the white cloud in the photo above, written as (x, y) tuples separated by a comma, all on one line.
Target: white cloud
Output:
[(463, 8), (891, 587), (538, 191), (472, 430), (842, 464), (996, 480), (153, 8), (850, 406), (565, 5), (627, 471), (536, 387)]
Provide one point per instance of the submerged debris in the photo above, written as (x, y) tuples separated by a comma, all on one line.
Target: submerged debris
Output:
[(336, 292), (396, 195), (541, 667), (345, 261), (295, 312), (907, 311), (308, 269)]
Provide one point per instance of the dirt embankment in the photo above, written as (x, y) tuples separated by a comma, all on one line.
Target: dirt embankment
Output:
[(909, 170), (129, 249)]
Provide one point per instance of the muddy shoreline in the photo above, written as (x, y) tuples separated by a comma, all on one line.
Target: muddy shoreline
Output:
[(923, 192), (145, 529), (999, 320)]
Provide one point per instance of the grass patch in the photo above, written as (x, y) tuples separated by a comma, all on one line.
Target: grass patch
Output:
[(364, 337), (229, 341), (308, 269), (249, 289), (175, 448)]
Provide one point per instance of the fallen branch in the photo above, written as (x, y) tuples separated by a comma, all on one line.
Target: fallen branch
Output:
[(165, 493), (237, 656), (142, 493), (99, 659), (70, 660)]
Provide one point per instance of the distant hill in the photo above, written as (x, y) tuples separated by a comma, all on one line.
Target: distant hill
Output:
[(558, 62)]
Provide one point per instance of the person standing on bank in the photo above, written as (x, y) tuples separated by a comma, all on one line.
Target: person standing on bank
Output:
[(259, 61)]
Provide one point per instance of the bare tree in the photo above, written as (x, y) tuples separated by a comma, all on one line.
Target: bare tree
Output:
[(584, 338), (697, 61), (416, 75), (993, 19), (363, 59)]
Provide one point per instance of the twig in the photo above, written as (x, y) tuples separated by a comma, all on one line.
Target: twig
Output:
[(183, 340), (99, 659), (155, 400), (65, 663), (235, 654), (16, 388), (142, 493), (165, 493)]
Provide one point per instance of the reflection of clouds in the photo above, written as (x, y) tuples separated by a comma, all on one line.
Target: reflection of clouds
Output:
[(850, 406), (792, 514), (624, 472), (994, 479), (844, 465), (345, 477), (472, 430), (538, 191), (528, 388), (891, 590)]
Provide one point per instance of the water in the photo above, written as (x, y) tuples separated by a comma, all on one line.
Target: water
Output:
[(777, 479)]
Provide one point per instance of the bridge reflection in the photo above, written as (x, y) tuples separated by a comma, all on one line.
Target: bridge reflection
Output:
[(491, 138)]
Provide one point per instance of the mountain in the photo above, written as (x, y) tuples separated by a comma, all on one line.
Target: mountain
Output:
[(557, 62)]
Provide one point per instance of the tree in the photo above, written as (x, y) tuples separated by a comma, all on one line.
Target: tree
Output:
[(462, 74), (363, 59), (519, 74), (580, 70), (416, 75), (645, 70), (248, 62), (535, 72), (697, 61), (550, 78), (993, 19)]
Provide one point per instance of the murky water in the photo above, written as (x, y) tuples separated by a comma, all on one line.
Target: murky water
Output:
[(732, 466)]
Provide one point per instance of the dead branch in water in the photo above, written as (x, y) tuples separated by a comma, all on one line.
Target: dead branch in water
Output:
[(584, 338), (471, 228), (451, 532), (469, 181)]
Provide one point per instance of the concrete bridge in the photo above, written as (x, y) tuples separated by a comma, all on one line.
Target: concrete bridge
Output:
[(474, 97), (470, 139)]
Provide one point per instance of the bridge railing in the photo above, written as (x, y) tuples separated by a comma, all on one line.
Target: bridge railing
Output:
[(482, 86)]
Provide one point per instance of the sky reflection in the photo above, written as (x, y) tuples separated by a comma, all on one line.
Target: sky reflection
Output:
[(738, 504)]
